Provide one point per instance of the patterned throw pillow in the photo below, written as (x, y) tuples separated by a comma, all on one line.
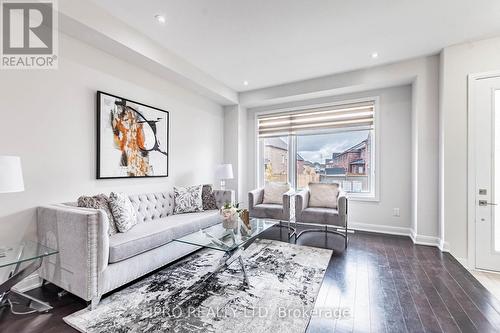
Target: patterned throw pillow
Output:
[(100, 201), (208, 198), (123, 211), (188, 199)]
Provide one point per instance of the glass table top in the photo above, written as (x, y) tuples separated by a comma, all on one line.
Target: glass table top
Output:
[(23, 251), (219, 238)]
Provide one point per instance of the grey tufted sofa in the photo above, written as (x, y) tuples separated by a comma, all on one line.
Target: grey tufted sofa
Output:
[(91, 263)]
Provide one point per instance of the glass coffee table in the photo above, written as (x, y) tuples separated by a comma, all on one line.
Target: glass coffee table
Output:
[(31, 255), (231, 241)]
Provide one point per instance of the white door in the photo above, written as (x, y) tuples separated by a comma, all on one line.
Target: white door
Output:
[(485, 106)]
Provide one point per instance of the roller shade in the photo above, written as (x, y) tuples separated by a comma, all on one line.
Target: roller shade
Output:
[(359, 115)]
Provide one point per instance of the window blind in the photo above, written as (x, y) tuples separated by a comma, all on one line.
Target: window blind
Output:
[(358, 115)]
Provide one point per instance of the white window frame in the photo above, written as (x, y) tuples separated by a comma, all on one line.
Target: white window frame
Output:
[(373, 195)]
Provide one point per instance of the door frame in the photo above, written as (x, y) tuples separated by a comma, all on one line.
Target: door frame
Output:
[(471, 164)]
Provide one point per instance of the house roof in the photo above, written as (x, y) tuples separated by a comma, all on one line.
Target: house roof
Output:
[(356, 148), (276, 143)]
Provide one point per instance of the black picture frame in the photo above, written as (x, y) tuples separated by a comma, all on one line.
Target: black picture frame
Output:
[(99, 136)]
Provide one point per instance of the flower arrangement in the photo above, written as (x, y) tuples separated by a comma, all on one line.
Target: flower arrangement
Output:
[(230, 213)]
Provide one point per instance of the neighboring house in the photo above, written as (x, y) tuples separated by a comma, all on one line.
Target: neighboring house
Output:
[(276, 159), (353, 161), (276, 164)]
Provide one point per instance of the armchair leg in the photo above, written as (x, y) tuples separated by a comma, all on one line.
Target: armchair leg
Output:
[(291, 230), (345, 237), (326, 231)]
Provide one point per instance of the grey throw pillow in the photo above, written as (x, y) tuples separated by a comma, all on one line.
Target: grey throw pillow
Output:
[(208, 198), (123, 211), (323, 195), (100, 201), (188, 199)]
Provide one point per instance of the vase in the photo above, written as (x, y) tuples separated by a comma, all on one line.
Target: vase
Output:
[(229, 220)]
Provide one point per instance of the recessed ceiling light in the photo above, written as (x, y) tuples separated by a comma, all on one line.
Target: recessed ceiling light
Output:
[(245, 83), (160, 18), (374, 55)]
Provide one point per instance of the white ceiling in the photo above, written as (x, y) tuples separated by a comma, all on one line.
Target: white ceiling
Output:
[(269, 42)]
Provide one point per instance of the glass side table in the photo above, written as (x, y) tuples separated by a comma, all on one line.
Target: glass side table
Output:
[(32, 254)]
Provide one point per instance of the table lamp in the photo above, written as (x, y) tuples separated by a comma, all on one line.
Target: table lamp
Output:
[(11, 174), (223, 172)]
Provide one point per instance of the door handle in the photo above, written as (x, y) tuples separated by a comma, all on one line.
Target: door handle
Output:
[(486, 203)]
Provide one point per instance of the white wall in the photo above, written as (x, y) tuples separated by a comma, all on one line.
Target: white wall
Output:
[(457, 62), (48, 118), (394, 130), (423, 74), (235, 137)]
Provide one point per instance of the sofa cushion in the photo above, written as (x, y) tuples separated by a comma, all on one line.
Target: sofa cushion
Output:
[(146, 236), (152, 206), (320, 215), (270, 211)]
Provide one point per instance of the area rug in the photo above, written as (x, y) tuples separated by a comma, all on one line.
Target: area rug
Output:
[(284, 280)]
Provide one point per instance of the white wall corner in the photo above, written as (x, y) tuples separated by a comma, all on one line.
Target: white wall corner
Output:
[(444, 246)]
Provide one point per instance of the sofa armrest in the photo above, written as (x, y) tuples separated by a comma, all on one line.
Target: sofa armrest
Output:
[(223, 196), (81, 237), (287, 196), (301, 202), (255, 197), (342, 207)]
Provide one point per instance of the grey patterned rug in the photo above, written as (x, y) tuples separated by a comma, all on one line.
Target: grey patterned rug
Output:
[(283, 278)]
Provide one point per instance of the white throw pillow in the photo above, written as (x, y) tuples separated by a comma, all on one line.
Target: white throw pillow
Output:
[(323, 195), (273, 192), (188, 199), (123, 211)]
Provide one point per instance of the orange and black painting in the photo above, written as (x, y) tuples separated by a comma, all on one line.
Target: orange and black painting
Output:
[(132, 139)]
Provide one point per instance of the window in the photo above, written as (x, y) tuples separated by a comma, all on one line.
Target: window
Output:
[(343, 158), (275, 159), (328, 144)]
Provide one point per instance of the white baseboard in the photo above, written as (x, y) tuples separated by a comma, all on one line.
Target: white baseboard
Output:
[(401, 231), (31, 282), (425, 240), (462, 261), (444, 246), (382, 229)]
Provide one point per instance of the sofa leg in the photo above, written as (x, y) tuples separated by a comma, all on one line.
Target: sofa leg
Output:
[(94, 303), (346, 236)]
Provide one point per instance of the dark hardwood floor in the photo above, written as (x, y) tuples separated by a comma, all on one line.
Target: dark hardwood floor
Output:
[(385, 282)]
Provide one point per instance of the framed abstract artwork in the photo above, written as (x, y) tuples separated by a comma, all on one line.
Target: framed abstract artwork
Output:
[(132, 139)]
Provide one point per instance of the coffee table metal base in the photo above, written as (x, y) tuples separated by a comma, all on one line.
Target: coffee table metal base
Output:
[(6, 291), (224, 262)]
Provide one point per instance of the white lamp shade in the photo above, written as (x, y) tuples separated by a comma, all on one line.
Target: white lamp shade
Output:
[(224, 171), (11, 174)]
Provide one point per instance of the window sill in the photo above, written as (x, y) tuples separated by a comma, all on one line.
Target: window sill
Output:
[(362, 198)]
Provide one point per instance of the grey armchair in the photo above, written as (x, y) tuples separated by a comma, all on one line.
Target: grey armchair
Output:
[(270, 211), (320, 216)]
